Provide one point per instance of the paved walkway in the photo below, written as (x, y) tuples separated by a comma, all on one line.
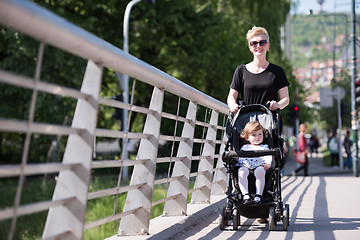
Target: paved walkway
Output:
[(316, 167), (321, 208), (316, 211)]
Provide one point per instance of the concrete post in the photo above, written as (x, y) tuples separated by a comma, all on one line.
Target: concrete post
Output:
[(204, 178), (220, 176), (178, 205), (138, 222), (79, 148)]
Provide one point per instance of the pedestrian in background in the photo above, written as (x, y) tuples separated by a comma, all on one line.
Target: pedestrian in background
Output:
[(302, 150), (313, 144), (333, 146), (347, 146), (292, 145)]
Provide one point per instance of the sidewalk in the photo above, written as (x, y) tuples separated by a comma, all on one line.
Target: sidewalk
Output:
[(316, 167)]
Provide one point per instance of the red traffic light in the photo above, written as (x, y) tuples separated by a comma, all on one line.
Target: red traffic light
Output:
[(296, 108), (357, 82)]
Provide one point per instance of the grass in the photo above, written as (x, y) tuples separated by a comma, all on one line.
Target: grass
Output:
[(327, 156), (30, 227), (35, 189)]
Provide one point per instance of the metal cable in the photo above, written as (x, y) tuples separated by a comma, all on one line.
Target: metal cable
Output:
[(124, 143), (202, 143), (172, 147), (26, 146)]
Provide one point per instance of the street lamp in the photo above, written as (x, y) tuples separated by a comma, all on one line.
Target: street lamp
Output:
[(354, 119), (124, 79)]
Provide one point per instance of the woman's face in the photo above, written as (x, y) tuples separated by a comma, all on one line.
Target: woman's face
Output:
[(258, 45), (256, 137)]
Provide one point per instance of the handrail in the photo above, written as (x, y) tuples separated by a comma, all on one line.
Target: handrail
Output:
[(73, 173), (50, 28)]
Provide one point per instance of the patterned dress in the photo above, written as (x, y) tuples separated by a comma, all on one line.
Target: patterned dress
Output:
[(254, 162)]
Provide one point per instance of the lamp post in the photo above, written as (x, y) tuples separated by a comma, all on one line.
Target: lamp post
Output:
[(354, 119), (124, 79)]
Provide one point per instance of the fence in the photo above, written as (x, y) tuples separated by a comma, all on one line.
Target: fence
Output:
[(196, 140)]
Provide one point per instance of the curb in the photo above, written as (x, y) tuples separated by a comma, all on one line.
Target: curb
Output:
[(188, 222)]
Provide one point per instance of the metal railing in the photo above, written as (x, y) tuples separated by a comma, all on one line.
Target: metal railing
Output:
[(68, 207)]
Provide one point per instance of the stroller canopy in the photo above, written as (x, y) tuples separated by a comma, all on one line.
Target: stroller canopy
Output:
[(255, 112)]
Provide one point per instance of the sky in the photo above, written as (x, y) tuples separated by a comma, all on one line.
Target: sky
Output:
[(342, 6)]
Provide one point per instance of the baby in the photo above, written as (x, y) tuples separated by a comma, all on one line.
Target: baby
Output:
[(254, 134)]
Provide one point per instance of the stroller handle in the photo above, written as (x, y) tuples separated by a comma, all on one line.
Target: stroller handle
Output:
[(254, 153)]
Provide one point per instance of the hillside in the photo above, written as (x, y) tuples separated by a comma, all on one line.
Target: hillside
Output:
[(312, 37)]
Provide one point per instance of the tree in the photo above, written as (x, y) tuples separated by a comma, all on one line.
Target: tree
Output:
[(199, 42)]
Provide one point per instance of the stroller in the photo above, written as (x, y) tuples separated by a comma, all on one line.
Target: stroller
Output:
[(271, 206)]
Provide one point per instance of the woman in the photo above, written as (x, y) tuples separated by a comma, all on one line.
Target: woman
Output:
[(302, 147), (259, 81)]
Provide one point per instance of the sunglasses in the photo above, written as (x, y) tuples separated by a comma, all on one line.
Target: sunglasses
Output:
[(261, 42)]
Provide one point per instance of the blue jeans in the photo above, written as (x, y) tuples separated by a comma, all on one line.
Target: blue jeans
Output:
[(348, 161)]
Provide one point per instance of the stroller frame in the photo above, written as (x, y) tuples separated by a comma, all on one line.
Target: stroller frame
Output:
[(273, 207)]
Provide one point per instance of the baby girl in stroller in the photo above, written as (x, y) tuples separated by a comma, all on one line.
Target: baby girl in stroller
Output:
[(254, 134)]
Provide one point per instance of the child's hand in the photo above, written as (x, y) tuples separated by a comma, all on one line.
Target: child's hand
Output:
[(266, 166)]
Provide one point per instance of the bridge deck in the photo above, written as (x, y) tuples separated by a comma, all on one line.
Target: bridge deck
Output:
[(321, 207)]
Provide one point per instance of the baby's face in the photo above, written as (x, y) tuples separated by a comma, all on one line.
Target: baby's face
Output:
[(256, 138)]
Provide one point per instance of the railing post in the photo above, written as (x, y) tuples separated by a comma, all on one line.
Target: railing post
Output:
[(220, 176), (178, 205), (70, 217), (138, 223), (205, 170)]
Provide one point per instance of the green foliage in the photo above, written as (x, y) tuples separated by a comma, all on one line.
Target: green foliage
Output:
[(311, 31), (199, 42), (326, 157), (40, 189), (35, 189), (312, 39)]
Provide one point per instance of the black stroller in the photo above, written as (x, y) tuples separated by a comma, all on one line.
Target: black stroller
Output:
[(272, 206)]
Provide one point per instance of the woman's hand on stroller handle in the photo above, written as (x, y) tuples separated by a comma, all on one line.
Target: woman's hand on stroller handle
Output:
[(272, 105), (234, 108)]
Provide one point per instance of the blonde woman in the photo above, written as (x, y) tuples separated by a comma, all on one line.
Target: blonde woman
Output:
[(259, 81)]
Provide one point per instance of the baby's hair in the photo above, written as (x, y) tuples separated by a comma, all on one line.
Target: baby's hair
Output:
[(251, 127)]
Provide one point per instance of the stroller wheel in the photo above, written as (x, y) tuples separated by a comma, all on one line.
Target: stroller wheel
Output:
[(222, 219), (236, 218), (271, 219), (286, 217)]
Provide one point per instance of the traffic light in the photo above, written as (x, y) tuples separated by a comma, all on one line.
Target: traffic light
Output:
[(357, 92), (294, 111)]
